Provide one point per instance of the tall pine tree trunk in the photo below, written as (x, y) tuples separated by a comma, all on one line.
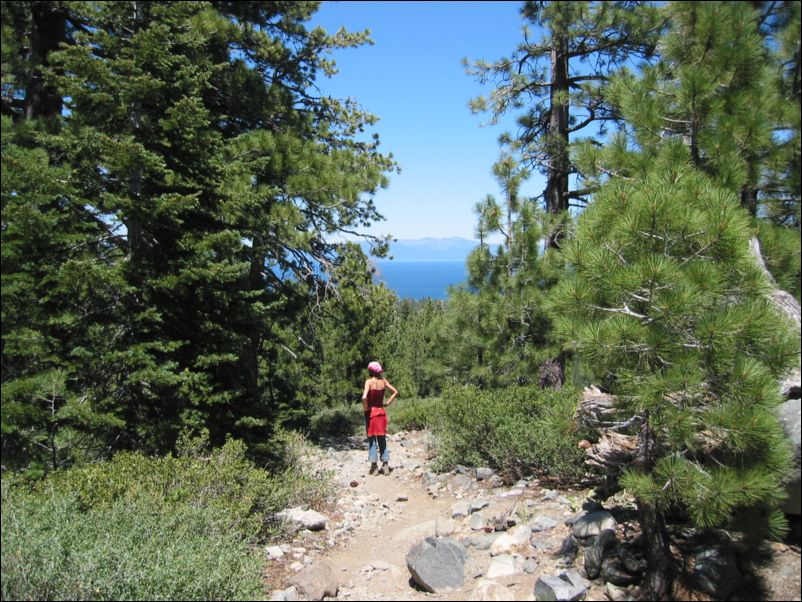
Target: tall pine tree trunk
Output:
[(659, 575), (552, 373), (48, 31), (558, 161)]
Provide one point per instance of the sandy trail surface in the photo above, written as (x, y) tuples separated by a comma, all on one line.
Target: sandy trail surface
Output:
[(376, 519)]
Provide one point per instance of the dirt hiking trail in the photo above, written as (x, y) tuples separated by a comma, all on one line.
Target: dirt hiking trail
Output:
[(376, 519)]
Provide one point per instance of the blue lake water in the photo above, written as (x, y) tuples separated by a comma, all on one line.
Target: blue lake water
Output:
[(421, 279)]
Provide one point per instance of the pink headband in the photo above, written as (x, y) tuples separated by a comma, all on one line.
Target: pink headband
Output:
[(375, 367)]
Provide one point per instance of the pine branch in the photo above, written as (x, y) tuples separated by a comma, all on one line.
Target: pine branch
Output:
[(625, 311)]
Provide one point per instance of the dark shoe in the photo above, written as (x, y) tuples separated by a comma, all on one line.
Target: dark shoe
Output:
[(385, 469), (374, 468)]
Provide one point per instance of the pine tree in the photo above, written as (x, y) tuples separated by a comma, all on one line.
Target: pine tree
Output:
[(664, 294), (499, 313), (663, 297), (53, 254), (724, 86), (716, 89), (350, 327), (583, 42), (56, 300), (211, 180)]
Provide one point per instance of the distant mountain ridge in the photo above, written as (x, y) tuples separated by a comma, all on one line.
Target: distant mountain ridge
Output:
[(431, 249)]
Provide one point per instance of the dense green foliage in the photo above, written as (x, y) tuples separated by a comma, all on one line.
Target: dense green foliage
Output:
[(350, 328), (721, 88), (518, 430), (139, 528), (53, 551), (665, 296), (176, 191), (166, 236), (415, 347), (167, 258)]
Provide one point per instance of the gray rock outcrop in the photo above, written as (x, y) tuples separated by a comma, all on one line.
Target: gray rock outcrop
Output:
[(437, 564), (593, 524), (594, 553), (567, 586), (715, 570)]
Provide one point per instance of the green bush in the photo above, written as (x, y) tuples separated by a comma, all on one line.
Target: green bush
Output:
[(128, 550), (518, 430), (406, 414), (140, 528), (338, 420), (411, 414), (224, 481)]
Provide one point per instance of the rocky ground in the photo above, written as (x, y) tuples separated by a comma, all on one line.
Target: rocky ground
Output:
[(512, 537)]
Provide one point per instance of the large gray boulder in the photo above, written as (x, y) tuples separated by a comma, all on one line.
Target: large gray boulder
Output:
[(568, 586), (715, 570), (316, 581), (593, 524), (437, 564)]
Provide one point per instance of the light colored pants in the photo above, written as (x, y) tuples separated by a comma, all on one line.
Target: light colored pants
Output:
[(377, 444)]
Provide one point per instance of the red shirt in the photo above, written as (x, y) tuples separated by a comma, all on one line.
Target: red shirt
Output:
[(377, 417)]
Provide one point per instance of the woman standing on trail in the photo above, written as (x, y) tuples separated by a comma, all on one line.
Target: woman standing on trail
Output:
[(376, 418)]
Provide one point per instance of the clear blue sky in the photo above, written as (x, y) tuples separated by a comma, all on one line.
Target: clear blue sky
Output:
[(412, 78)]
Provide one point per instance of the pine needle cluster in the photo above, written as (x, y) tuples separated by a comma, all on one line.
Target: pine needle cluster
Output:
[(664, 299)]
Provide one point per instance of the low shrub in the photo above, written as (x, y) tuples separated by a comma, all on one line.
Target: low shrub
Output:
[(411, 414), (224, 481), (52, 549), (338, 420), (142, 528), (518, 430)]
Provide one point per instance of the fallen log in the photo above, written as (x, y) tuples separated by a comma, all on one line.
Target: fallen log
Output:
[(597, 412), (612, 453), (614, 450), (784, 302)]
